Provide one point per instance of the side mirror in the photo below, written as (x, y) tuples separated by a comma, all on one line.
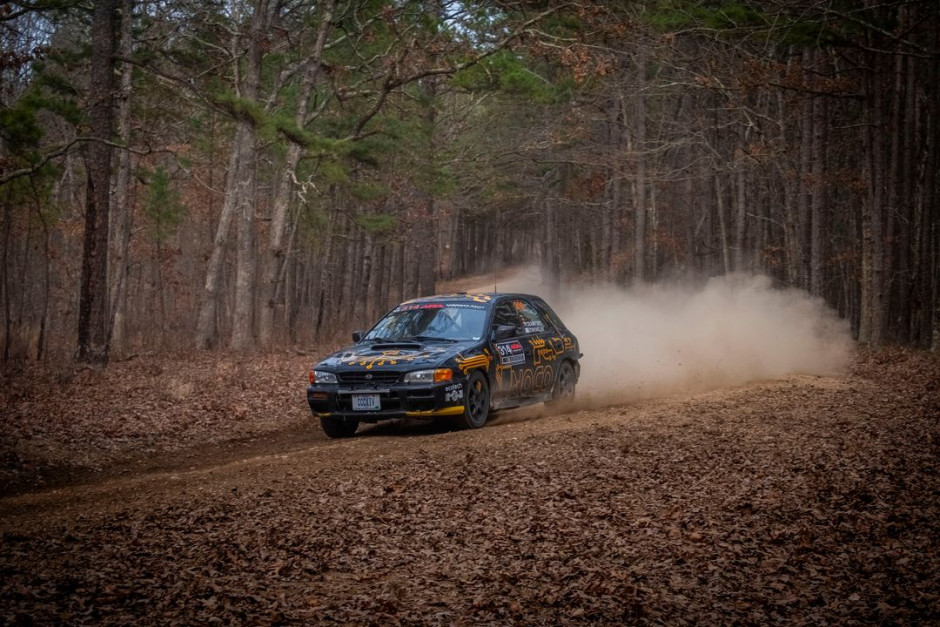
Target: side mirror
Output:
[(503, 332), (357, 336)]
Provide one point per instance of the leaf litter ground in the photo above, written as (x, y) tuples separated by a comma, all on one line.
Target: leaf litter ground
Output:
[(197, 490)]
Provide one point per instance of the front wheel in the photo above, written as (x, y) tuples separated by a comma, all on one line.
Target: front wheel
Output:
[(563, 392), (339, 427), (476, 404)]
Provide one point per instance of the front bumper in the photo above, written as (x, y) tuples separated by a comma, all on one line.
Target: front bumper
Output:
[(396, 401)]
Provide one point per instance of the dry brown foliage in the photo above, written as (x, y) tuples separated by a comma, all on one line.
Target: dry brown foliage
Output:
[(66, 422), (803, 500)]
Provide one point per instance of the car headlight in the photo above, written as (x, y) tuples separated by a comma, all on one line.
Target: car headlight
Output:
[(429, 376), (322, 376)]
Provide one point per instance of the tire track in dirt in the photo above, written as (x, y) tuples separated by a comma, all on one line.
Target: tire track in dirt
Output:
[(398, 440)]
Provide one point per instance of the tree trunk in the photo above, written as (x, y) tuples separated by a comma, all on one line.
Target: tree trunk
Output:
[(347, 277), (47, 259), (788, 174), (161, 293), (5, 279), (376, 283), (361, 307), (639, 239), (93, 319), (239, 201), (872, 324), (892, 200), (400, 271), (929, 264), (906, 211), (722, 224), (245, 258), (206, 327), (275, 253), (817, 198), (806, 166), (740, 223), (242, 336), (327, 270), (123, 210)]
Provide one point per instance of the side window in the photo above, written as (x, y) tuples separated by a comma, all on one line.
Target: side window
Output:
[(532, 321), (549, 315), (506, 314)]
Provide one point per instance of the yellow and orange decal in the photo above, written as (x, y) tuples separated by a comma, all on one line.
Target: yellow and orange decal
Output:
[(483, 360)]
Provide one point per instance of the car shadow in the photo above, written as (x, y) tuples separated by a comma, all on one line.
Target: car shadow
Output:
[(416, 427), (407, 427)]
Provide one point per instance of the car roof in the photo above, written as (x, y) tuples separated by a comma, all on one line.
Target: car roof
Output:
[(475, 297)]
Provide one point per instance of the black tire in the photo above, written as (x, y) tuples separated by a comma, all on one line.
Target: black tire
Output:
[(476, 401), (565, 383), (339, 427)]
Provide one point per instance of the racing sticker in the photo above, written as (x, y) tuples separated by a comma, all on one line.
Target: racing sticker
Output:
[(533, 327), (416, 306), (465, 306), (510, 353), (453, 393)]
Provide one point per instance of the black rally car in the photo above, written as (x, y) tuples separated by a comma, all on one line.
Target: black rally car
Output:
[(459, 355)]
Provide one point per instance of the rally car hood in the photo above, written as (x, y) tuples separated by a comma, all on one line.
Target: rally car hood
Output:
[(395, 355)]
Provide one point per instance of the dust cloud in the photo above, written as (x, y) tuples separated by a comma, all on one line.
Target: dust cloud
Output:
[(657, 340)]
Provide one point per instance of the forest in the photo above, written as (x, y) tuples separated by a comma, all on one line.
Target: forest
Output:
[(253, 174), (733, 204)]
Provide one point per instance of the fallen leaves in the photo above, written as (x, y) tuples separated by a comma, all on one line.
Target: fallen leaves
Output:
[(65, 420), (804, 501)]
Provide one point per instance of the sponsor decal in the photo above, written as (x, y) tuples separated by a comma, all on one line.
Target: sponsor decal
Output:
[(415, 306), (546, 351), (533, 327), (454, 393), (510, 353), (526, 381), (465, 306)]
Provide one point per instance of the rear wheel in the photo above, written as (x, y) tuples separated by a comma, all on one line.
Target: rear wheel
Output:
[(476, 404), (565, 382), (336, 427)]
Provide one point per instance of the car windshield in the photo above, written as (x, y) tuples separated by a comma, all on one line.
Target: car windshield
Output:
[(431, 321)]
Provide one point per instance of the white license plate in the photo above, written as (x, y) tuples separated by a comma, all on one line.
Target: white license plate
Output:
[(366, 402)]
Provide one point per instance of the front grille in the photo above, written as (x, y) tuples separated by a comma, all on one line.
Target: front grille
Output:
[(384, 377)]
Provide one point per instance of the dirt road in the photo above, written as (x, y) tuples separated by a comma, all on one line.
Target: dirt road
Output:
[(801, 500)]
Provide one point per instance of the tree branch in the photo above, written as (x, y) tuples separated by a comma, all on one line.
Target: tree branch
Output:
[(64, 150)]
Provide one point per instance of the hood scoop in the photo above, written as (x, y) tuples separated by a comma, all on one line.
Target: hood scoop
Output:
[(383, 346)]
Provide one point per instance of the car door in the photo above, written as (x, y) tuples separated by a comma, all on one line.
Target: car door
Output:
[(513, 355), (542, 348)]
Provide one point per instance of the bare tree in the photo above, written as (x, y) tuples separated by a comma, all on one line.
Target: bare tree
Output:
[(93, 321)]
